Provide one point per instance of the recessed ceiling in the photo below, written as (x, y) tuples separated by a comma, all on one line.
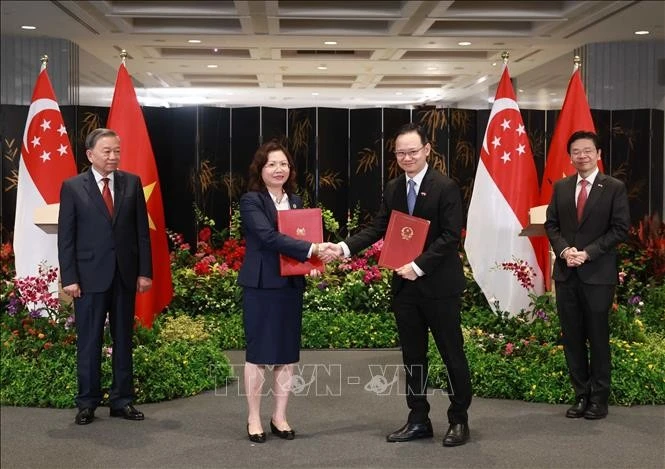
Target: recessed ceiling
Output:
[(276, 51)]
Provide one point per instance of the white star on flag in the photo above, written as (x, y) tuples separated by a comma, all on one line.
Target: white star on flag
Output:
[(503, 192), (63, 149), (45, 125), (62, 130), (496, 142), (45, 156), (35, 141)]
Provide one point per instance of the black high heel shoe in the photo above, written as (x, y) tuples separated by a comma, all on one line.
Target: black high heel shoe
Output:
[(284, 434), (256, 437)]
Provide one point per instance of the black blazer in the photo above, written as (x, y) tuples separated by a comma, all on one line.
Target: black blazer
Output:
[(91, 244), (605, 223), (260, 268), (439, 202)]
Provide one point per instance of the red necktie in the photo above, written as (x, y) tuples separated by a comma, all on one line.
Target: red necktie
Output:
[(106, 195), (581, 199)]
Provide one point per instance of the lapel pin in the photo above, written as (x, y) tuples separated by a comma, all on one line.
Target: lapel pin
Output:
[(600, 185), (293, 205), (423, 194)]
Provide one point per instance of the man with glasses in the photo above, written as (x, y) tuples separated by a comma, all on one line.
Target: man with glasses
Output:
[(426, 292), (586, 219)]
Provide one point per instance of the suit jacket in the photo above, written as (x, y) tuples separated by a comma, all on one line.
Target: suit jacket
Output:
[(264, 244), (439, 202), (604, 224), (91, 243)]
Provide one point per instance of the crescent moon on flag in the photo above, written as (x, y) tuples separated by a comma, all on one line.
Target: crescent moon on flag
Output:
[(36, 107), (499, 105)]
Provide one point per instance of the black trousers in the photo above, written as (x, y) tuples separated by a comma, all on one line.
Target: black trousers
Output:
[(584, 314), (415, 316), (90, 313)]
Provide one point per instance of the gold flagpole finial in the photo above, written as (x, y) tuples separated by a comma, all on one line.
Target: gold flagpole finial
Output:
[(504, 56), (123, 56), (577, 60), (44, 61)]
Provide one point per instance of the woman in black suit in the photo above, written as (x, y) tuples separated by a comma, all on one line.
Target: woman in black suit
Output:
[(272, 304)]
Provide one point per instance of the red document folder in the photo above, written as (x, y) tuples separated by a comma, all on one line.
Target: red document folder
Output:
[(302, 224), (404, 239)]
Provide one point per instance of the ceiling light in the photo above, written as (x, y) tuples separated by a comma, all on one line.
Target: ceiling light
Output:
[(194, 41), (213, 66), (315, 94), (322, 67), (330, 43), (481, 79), (520, 90), (641, 33), (35, 27), (464, 43), (398, 93), (493, 64), (432, 68), (215, 50)]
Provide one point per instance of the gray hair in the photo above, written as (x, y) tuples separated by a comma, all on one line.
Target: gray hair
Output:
[(94, 136)]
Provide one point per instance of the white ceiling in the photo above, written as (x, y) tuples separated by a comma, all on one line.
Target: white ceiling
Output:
[(388, 53)]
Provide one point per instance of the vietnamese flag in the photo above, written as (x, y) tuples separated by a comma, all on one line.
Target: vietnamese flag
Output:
[(126, 118), (575, 115)]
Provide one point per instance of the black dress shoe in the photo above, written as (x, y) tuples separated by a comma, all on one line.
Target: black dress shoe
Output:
[(85, 416), (129, 412), (411, 431), (457, 434), (595, 411), (577, 410), (256, 437), (285, 434)]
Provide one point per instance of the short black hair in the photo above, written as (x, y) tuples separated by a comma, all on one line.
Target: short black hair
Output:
[(413, 127), (580, 134)]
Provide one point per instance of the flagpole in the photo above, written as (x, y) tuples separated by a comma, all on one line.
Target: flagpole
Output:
[(123, 57), (577, 61), (44, 61), (504, 56)]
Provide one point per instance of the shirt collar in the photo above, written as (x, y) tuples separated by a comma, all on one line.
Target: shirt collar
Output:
[(418, 178), (590, 178), (99, 177)]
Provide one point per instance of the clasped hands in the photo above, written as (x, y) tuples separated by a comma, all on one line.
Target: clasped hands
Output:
[(575, 258)]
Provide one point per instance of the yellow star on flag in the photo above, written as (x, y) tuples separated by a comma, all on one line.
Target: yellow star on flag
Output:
[(147, 192)]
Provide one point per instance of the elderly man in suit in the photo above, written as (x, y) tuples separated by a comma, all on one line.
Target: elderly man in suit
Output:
[(105, 258), (426, 292), (586, 219)]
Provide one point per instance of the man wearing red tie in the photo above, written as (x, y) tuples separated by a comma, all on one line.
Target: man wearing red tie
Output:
[(586, 219), (105, 259)]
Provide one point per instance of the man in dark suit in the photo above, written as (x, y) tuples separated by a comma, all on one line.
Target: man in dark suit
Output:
[(105, 258), (586, 219), (426, 292)]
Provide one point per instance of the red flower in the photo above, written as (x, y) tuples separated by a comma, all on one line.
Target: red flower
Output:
[(204, 234)]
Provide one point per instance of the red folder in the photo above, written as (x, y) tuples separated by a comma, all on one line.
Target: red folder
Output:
[(404, 239), (302, 224)]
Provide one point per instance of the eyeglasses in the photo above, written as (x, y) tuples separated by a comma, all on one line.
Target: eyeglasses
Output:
[(272, 165), (584, 151), (409, 153)]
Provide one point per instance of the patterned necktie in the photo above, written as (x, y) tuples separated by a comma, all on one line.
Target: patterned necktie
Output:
[(106, 195), (581, 199), (411, 196)]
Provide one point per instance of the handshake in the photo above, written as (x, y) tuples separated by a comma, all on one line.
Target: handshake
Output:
[(327, 252)]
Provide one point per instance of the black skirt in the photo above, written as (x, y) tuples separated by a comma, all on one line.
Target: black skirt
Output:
[(273, 321)]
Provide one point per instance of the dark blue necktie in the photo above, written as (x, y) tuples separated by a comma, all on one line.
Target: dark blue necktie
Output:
[(411, 196)]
